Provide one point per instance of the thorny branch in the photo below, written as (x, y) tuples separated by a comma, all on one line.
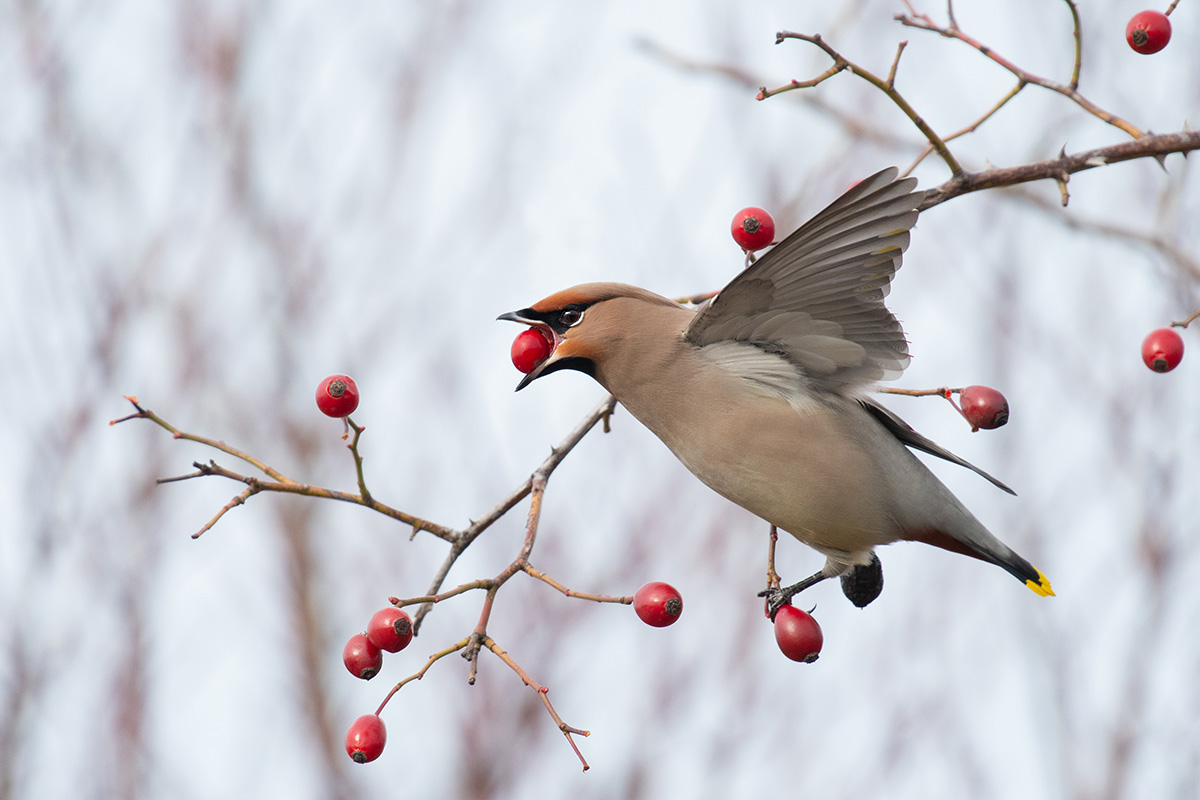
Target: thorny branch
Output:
[(459, 540), (1060, 169)]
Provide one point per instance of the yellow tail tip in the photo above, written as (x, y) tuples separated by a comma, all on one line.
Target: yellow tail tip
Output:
[(1041, 585)]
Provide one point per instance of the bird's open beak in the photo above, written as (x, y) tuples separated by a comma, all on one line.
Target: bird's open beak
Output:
[(515, 316)]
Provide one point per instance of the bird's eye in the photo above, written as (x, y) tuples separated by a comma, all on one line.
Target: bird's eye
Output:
[(570, 316)]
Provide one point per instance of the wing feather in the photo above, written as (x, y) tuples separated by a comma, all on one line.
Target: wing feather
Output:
[(817, 297)]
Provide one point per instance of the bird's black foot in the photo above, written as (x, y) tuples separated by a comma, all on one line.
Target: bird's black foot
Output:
[(863, 583), (778, 598)]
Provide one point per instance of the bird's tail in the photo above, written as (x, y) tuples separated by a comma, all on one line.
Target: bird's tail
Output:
[(994, 552)]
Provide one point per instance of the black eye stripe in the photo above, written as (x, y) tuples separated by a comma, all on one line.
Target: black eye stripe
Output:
[(560, 319)]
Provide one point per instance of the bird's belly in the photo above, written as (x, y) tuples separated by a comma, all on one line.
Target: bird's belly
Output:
[(800, 473)]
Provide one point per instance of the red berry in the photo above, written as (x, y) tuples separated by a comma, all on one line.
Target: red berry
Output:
[(984, 407), (798, 634), (362, 657), (1148, 32), (366, 738), (529, 349), (753, 229), (337, 396), (1162, 349), (390, 629), (658, 604)]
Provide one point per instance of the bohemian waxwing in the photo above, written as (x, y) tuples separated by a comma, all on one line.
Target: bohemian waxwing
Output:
[(761, 393)]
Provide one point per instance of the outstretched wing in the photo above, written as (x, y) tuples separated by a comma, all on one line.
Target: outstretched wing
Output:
[(816, 298)]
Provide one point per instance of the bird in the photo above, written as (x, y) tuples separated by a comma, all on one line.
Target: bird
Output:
[(765, 392)]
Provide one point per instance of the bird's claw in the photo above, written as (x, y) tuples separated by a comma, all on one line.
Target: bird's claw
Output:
[(776, 599)]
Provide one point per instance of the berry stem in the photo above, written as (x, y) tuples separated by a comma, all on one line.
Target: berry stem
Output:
[(599, 598), (1194, 314), (941, 391), (773, 579), (358, 461), (416, 676)]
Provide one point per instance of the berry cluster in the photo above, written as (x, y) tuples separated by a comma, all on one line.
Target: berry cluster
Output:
[(390, 629)]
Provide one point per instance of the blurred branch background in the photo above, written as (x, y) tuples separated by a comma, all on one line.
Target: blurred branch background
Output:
[(212, 205)]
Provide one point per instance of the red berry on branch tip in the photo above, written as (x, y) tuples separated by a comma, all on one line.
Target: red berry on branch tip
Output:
[(1148, 32), (529, 349), (658, 604), (1162, 349), (366, 738), (362, 657), (390, 629), (798, 634), (984, 407), (752, 229), (337, 396)]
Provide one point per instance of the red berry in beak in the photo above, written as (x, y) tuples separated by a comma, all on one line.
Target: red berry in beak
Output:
[(529, 349)]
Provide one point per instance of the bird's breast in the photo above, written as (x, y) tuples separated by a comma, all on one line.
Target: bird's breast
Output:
[(793, 466)]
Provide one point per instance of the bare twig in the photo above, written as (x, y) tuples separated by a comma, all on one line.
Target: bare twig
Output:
[(970, 128), (599, 598), (544, 694), (853, 123), (144, 413), (939, 392), (416, 676), (1070, 91), (841, 63), (281, 482), (601, 413), (358, 462), (1190, 319), (773, 580)]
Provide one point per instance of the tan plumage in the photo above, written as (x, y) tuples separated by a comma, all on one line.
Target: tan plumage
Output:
[(761, 392)]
